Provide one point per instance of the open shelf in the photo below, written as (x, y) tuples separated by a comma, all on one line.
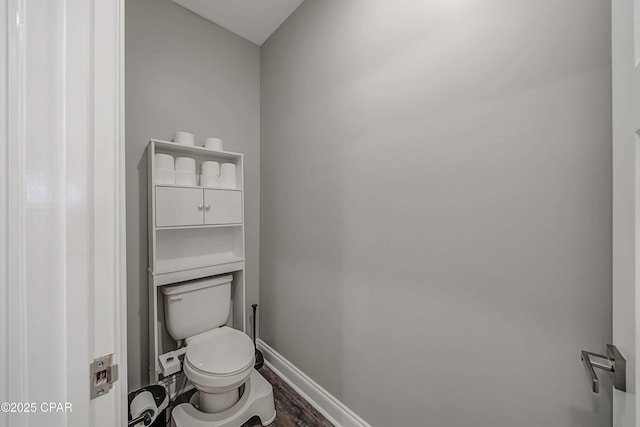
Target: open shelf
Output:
[(200, 155), (206, 249), (228, 265), (176, 265)]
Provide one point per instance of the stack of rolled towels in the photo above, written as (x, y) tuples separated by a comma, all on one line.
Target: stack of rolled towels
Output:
[(187, 138), (216, 175), (182, 171)]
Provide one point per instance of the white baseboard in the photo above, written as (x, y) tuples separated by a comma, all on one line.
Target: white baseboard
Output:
[(334, 410)]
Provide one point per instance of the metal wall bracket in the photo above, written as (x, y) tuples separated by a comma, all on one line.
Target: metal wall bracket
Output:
[(612, 362), (103, 374)]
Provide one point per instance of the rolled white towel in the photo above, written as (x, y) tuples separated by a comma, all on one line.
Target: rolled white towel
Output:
[(210, 168), (213, 144), (164, 161), (186, 164), (165, 176), (228, 175), (211, 181), (185, 178), (184, 138)]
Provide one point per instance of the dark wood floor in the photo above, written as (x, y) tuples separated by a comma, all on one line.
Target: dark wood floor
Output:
[(291, 409)]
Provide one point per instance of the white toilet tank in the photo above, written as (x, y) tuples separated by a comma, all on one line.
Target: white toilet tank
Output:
[(191, 308)]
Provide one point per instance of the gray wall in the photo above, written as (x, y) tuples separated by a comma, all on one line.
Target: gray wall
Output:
[(184, 73), (436, 207)]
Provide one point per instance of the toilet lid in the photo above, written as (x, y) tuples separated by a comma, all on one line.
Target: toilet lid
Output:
[(222, 351)]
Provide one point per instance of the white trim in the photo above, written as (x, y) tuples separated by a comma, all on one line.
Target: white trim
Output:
[(334, 410), (109, 227), (78, 232), (4, 275), (12, 291), (121, 223), (13, 180)]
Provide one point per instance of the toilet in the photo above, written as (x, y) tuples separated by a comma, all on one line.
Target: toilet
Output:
[(218, 361)]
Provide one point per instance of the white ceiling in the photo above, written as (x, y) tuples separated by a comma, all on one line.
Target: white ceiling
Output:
[(255, 20)]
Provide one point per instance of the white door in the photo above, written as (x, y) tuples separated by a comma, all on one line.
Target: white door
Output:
[(62, 225), (626, 208)]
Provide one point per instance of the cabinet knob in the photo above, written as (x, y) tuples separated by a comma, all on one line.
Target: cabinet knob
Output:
[(200, 207), (207, 207)]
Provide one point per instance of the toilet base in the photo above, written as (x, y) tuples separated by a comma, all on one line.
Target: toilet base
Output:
[(256, 400)]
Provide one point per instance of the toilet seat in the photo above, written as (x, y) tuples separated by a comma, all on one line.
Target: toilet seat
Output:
[(221, 351), (219, 360)]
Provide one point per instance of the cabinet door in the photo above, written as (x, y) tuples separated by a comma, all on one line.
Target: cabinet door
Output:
[(222, 207), (179, 206)]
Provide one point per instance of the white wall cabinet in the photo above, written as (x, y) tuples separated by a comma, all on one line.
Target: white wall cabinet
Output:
[(194, 232), (178, 206)]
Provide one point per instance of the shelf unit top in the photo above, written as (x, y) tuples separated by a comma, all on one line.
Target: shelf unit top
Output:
[(198, 187), (195, 150), (192, 227)]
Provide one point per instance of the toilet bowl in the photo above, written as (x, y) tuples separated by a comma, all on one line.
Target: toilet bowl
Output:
[(217, 363)]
